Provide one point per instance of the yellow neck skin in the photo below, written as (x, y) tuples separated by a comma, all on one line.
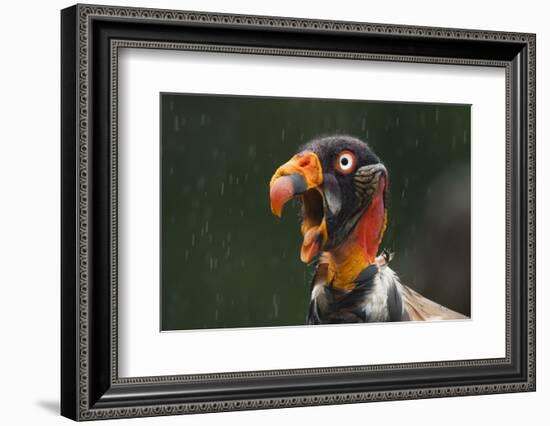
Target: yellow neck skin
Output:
[(347, 261), (344, 265)]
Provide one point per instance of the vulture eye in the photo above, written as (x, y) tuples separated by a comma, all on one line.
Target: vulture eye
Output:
[(345, 162)]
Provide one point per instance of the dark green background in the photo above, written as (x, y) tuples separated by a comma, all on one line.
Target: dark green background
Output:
[(226, 261)]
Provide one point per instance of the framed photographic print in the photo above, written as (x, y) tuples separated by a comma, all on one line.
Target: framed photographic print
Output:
[(263, 212)]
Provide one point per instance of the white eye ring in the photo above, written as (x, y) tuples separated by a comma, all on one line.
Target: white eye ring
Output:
[(345, 163)]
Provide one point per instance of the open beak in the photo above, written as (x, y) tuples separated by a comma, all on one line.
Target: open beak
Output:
[(302, 176)]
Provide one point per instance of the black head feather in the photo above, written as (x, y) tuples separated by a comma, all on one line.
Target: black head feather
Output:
[(346, 195)]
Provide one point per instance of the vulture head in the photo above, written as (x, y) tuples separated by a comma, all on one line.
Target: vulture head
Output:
[(342, 186)]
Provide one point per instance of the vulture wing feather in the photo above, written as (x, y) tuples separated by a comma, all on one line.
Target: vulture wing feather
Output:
[(420, 308)]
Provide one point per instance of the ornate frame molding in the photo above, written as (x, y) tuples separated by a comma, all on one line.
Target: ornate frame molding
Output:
[(78, 24)]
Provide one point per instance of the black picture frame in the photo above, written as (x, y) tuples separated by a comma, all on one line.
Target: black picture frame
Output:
[(90, 386)]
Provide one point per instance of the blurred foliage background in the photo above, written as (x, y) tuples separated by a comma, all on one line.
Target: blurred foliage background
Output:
[(227, 262)]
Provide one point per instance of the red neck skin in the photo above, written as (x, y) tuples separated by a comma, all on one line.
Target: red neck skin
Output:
[(347, 261), (372, 224)]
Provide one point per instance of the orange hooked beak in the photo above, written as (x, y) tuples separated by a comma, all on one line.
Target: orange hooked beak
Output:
[(302, 176)]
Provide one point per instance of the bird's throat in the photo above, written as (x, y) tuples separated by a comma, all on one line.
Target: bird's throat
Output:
[(348, 260)]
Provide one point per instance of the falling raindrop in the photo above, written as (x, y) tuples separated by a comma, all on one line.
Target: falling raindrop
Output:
[(171, 171), (192, 240), (206, 226), (275, 306), (283, 135), (397, 122), (222, 188), (176, 123), (201, 182), (186, 255), (416, 143), (237, 180), (203, 119), (252, 151), (230, 179)]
